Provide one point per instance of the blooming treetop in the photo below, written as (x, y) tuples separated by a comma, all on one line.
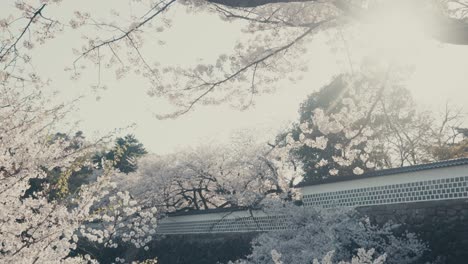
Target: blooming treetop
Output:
[(241, 174), (313, 233), (35, 229), (362, 122)]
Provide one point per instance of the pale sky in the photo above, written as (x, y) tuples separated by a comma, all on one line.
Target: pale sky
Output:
[(440, 76)]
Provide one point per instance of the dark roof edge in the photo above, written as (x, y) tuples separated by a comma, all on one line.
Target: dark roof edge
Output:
[(386, 172), (211, 211)]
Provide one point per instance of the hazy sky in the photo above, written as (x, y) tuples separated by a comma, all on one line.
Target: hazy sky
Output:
[(440, 76)]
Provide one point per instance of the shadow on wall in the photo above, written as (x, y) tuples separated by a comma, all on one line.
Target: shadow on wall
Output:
[(180, 249), (442, 224), (202, 248)]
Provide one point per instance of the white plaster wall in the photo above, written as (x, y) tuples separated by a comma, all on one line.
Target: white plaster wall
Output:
[(212, 216), (407, 177)]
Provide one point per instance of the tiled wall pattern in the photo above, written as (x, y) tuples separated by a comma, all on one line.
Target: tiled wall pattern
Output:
[(244, 224), (382, 193), (440, 189)]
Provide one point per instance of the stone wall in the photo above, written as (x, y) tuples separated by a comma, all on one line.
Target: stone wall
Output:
[(442, 224), (430, 200), (202, 248)]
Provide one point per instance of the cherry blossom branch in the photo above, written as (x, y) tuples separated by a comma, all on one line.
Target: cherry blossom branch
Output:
[(126, 34), (213, 85), (269, 20), (26, 28)]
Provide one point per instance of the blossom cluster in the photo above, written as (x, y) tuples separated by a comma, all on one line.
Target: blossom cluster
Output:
[(35, 228)]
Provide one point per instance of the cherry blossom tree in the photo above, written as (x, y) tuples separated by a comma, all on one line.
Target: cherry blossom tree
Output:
[(236, 175), (313, 233), (362, 257), (32, 229), (359, 123), (277, 33), (118, 221), (276, 36), (36, 229)]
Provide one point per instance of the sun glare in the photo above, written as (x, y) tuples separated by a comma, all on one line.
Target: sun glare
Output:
[(395, 36)]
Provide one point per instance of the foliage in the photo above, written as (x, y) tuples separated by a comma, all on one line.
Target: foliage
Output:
[(124, 154), (149, 261), (119, 219), (64, 182), (451, 148), (313, 233), (36, 229), (237, 175), (276, 35), (362, 257), (359, 123), (321, 156)]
